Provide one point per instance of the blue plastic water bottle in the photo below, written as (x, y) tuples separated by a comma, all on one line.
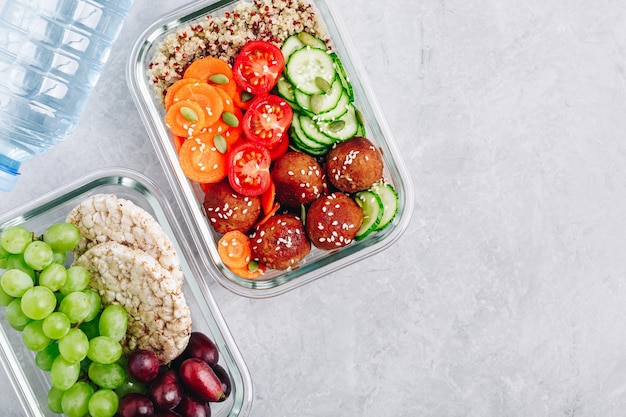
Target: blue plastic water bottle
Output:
[(51, 56)]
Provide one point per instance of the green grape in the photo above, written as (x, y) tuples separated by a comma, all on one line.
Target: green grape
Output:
[(4, 256), (63, 374), (95, 304), (38, 302), (17, 262), (113, 322), (5, 298), (75, 401), (14, 239), (15, 282), (53, 276), (38, 255), (103, 403), (54, 400), (107, 375), (90, 328), (130, 386), (34, 337), (56, 325), (74, 345), (44, 358), (77, 279), (15, 316), (59, 258), (104, 349), (62, 237), (76, 306)]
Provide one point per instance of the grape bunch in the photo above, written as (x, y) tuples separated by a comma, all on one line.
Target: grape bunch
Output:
[(185, 388), (60, 318)]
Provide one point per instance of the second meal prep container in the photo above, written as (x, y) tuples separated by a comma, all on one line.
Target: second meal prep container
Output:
[(32, 384)]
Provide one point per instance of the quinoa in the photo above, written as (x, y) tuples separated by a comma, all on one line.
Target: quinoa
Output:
[(223, 36)]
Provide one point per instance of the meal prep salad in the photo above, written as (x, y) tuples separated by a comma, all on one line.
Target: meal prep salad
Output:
[(264, 118)]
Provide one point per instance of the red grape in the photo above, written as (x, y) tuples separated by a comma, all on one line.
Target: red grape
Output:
[(167, 413), (222, 374), (200, 379), (166, 390), (190, 407), (135, 405), (143, 365), (202, 347)]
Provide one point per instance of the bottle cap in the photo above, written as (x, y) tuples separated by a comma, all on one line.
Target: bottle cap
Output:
[(8, 173)]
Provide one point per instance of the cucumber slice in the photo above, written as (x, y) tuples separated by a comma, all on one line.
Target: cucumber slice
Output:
[(343, 128), (320, 103), (295, 42), (361, 131), (310, 129), (389, 197), (308, 67), (343, 77), (372, 208), (285, 89), (300, 140), (337, 112)]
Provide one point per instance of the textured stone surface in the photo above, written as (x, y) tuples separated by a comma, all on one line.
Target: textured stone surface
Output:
[(506, 295)]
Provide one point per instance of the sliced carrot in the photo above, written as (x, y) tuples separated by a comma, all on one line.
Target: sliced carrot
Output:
[(201, 161), (245, 272), (213, 71), (267, 216), (239, 100), (230, 133), (206, 96), (173, 89), (184, 118), (229, 105), (268, 198), (235, 249), (178, 142)]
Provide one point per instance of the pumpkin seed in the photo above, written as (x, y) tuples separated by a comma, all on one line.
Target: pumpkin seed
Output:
[(253, 266), (322, 84), (220, 143), (219, 79), (316, 102), (308, 39), (230, 119), (337, 125), (303, 214), (189, 114), (246, 96)]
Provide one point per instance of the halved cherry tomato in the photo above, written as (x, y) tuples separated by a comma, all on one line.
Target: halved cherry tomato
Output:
[(279, 148), (249, 169), (258, 66), (267, 120)]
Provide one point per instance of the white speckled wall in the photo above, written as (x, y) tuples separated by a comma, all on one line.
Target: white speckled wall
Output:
[(506, 296)]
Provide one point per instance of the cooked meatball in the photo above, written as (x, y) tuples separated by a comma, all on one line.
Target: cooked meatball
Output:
[(354, 165), (298, 179), (228, 210), (333, 220), (281, 242)]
